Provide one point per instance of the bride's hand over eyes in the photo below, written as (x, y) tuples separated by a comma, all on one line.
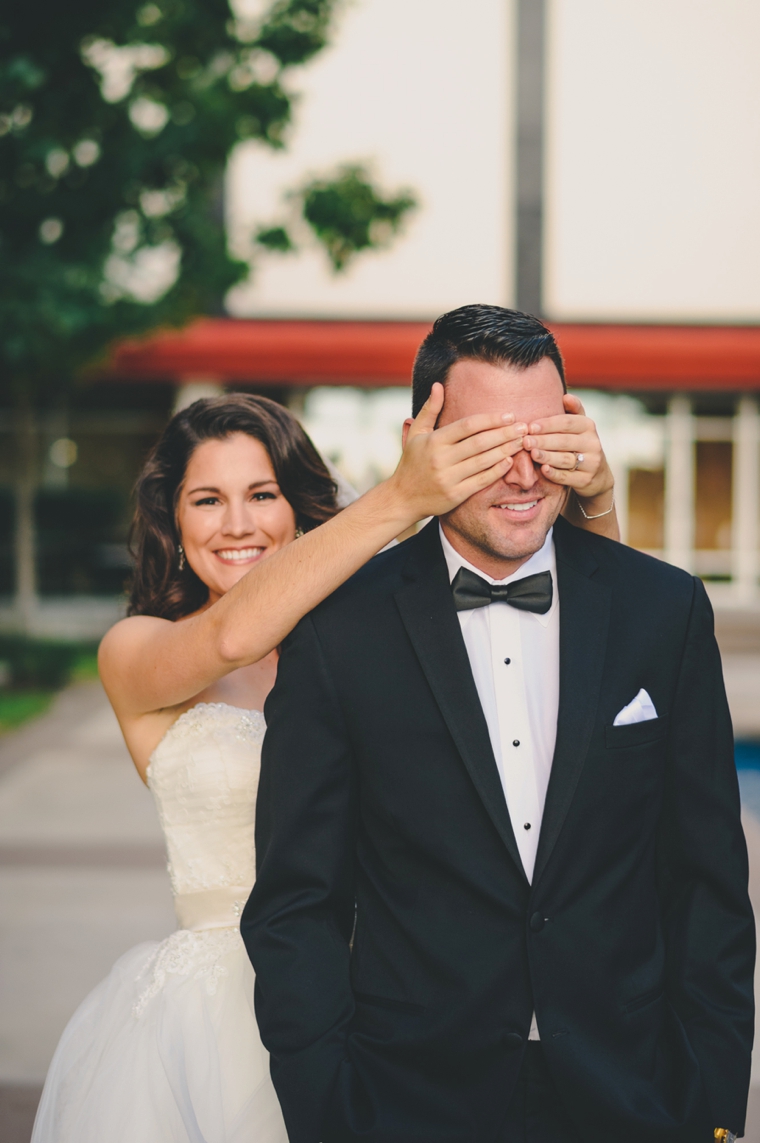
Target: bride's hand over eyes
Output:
[(570, 453), (440, 468)]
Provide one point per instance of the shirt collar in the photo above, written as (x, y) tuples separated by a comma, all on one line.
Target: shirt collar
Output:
[(542, 560)]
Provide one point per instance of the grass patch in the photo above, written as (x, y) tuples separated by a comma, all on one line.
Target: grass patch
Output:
[(85, 666), (33, 670), (19, 706), (42, 664)]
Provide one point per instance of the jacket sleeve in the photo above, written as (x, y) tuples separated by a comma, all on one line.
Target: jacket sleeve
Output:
[(298, 922), (710, 932)]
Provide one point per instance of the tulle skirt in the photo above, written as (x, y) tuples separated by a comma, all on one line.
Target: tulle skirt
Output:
[(165, 1050)]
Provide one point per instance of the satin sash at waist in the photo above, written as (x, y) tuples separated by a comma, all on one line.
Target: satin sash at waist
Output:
[(218, 908)]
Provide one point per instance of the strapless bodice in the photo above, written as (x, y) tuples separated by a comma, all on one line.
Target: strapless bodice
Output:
[(204, 775)]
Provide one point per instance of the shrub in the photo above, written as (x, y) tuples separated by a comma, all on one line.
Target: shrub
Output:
[(39, 662)]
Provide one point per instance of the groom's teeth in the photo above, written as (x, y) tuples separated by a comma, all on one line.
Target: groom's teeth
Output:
[(240, 554), (520, 507)]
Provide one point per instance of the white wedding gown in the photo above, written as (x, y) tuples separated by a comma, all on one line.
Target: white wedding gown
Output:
[(166, 1049)]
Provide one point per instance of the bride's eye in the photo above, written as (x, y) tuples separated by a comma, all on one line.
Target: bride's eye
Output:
[(206, 500), (264, 496)]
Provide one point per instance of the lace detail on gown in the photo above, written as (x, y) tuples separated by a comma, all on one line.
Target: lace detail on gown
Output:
[(204, 775), (198, 955)]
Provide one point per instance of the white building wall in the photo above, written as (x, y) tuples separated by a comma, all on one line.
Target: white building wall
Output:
[(653, 160), (424, 90)]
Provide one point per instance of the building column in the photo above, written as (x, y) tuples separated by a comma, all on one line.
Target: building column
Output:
[(529, 173), (746, 499), (679, 484)]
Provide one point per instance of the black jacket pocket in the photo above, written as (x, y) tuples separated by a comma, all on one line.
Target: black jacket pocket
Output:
[(389, 1004), (636, 733)]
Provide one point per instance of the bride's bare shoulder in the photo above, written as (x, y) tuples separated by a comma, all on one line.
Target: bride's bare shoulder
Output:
[(126, 639), (132, 632)]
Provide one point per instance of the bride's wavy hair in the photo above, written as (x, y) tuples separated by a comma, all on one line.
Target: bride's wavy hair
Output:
[(159, 585)]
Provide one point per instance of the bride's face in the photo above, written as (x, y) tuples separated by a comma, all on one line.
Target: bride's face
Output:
[(231, 512)]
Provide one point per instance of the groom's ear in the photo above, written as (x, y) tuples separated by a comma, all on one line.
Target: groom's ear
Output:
[(405, 430)]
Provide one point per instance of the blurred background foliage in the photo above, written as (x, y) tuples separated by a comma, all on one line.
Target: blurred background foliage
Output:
[(116, 126), (345, 211), (32, 670)]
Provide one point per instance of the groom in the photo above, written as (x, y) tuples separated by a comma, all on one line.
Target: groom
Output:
[(502, 881)]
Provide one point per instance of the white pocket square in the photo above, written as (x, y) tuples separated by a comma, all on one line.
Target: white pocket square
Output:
[(640, 710)]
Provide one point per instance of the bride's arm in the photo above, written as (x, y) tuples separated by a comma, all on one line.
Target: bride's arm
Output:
[(556, 443), (148, 664)]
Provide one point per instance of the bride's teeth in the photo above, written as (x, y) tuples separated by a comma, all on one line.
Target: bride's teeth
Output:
[(245, 554)]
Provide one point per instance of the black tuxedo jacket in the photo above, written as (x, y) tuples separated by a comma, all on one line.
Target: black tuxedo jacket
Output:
[(399, 949)]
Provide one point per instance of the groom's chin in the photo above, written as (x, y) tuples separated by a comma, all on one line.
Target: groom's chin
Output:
[(520, 541), (508, 546)]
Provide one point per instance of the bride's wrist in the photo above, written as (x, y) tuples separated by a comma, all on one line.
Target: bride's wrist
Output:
[(599, 502), (391, 506)]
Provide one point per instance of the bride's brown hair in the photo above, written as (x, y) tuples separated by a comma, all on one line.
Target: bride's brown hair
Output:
[(159, 586)]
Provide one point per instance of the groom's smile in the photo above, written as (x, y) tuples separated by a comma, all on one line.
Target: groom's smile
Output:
[(520, 510), (501, 527)]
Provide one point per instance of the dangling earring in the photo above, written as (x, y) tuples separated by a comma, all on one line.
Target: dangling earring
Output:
[(299, 532), (181, 554)]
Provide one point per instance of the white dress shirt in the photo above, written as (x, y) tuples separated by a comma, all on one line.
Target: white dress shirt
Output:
[(514, 656)]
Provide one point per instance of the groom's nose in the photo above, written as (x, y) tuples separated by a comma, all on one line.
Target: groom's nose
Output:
[(523, 471)]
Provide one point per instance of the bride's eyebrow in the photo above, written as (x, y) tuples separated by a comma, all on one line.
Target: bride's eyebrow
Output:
[(210, 488)]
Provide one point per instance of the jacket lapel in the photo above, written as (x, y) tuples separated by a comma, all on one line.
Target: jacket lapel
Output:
[(584, 620), (427, 610)]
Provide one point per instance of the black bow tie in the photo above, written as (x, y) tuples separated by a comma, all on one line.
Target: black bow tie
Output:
[(533, 593)]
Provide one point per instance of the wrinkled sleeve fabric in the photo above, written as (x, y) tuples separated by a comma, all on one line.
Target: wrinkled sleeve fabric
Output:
[(298, 921), (709, 922)]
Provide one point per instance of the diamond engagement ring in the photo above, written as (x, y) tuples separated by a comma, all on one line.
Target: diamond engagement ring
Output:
[(579, 459)]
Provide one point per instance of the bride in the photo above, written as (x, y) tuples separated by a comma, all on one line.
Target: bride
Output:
[(238, 535)]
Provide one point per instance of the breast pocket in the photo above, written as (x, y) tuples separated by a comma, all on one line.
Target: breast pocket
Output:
[(636, 733)]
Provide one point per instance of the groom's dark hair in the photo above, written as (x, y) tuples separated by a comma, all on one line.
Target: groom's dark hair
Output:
[(481, 333)]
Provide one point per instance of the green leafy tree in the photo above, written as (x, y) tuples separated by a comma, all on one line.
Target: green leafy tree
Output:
[(345, 211), (116, 122)]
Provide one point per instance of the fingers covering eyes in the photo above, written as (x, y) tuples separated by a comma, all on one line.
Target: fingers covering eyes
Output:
[(493, 458), (565, 442), (477, 423), (504, 437), (563, 460), (571, 423)]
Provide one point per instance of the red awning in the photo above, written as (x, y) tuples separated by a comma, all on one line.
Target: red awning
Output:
[(374, 354), (370, 354), (661, 357)]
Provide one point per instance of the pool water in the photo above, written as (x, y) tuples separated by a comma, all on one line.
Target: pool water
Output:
[(747, 755)]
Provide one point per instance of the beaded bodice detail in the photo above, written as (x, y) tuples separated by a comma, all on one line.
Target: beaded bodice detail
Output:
[(204, 775)]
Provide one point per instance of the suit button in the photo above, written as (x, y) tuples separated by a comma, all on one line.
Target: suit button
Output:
[(537, 922), (512, 1041)]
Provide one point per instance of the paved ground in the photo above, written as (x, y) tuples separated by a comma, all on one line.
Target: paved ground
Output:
[(82, 879), (82, 875)]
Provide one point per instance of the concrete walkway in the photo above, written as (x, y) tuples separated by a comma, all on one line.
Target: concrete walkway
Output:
[(83, 878)]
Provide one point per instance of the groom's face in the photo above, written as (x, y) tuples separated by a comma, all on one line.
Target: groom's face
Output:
[(502, 526)]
